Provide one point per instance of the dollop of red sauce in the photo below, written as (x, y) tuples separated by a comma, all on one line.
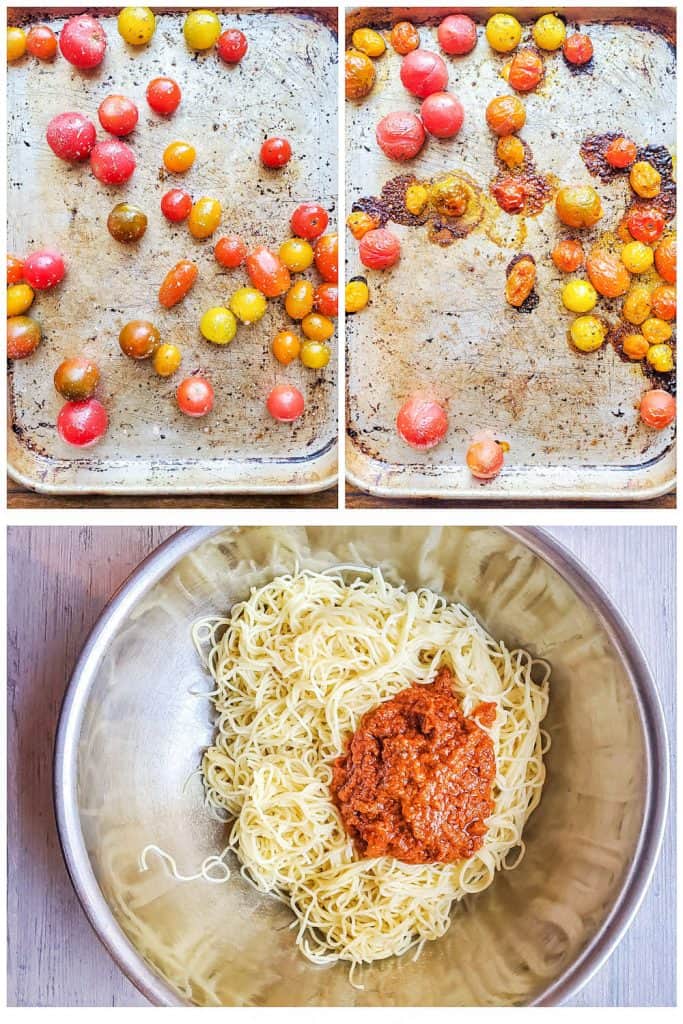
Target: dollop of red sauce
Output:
[(415, 781)]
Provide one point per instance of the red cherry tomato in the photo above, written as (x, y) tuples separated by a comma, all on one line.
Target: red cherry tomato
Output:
[(195, 396), (645, 224), (41, 42), (308, 221), (424, 72), (621, 152), (657, 408), (285, 403), (232, 45), (510, 194), (400, 135), (577, 49), (230, 251), (176, 205), (163, 95), (326, 299), (267, 272), (275, 152), (15, 270), (83, 41), (44, 269), (442, 115), (82, 423), (485, 458), (112, 162), (326, 254), (118, 115), (379, 249), (422, 422), (457, 35), (71, 136)]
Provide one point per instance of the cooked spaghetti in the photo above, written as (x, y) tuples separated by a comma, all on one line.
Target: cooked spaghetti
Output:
[(296, 667)]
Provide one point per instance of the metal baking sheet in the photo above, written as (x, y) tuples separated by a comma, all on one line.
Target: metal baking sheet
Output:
[(287, 84), (438, 320)]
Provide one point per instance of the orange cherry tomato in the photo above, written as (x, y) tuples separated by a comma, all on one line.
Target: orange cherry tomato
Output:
[(41, 42), (645, 224), (177, 283), (505, 115), (286, 347), (657, 408), (520, 281), (230, 251), (404, 37), (327, 258), (665, 260), (317, 327), (577, 49), (621, 152), (485, 458), (299, 300), (607, 274), (267, 272), (179, 157), (526, 70), (664, 302), (326, 299), (15, 270), (568, 255)]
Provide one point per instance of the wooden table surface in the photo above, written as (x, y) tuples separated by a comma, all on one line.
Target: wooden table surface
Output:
[(59, 580)]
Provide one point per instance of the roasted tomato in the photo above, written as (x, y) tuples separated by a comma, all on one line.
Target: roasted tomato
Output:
[(23, 336), (267, 272), (510, 150), (577, 49), (76, 379), (442, 115), (275, 153), (326, 299), (359, 223), (205, 216), (118, 115), (232, 45), (230, 251), (400, 135), (607, 274), (404, 37), (15, 270), (359, 75), (637, 257), (457, 35), (635, 347), (422, 422), (299, 300), (520, 281), (549, 32), (177, 283), (195, 396), (356, 295), (127, 223), (449, 196), (285, 403), (163, 95), (424, 72), (82, 423), (309, 221), (526, 71), (657, 408), (510, 194), (665, 260), (505, 115), (71, 136), (41, 42), (503, 32), (568, 255), (326, 254), (621, 152), (379, 249), (138, 339), (646, 224), (578, 206), (656, 331), (588, 333), (176, 205), (112, 162), (645, 180), (485, 458), (664, 302), (637, 305), (368, 41)]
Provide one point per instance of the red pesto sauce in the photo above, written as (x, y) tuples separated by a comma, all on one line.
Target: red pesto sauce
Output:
[(415, 781)]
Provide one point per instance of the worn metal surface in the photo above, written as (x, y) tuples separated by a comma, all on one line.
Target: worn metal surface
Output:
[(438, 320), (287, 84)]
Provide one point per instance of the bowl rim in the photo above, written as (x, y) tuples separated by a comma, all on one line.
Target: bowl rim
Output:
[(160, 561)]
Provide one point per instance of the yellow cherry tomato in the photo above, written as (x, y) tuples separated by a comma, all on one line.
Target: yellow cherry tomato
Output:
[(510, 150), (503, 32), (637, 305), (179, 157), (635, 346), (661, 358), (637, 257), (16, 43), (359, 223), (248, 305), (136, 26), (296, 254), (205, 216), (286, 347), (315, 354), (645, 179), (356, 295), (19, 299), (317, 327), (417, 197), (218, 325), (579, 296), (549, 32), (369, 42), (201, 29), (588, 333), (656, 331), (166, 358), (299, 300)]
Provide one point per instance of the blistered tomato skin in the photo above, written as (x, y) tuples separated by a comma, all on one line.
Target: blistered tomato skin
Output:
[(359, 75), (71, 136), (621, 153), (424, 72), (526, 71), (205, 216), (285, 403), (521, 279), (664, 302), (309, 221), (118, 115), (83, 42), (275, 153), (23, 337), (568, 255), (607, 274), (44, 269), (138, 339), (379, 249), (577, 49), (176, 205), (76, 379), (163, 95), (400, 135), (510, 194), (442, 115), (177, 283), (230, 251), (665, 260), (41, 42), (404, 37), (195, 396), (232, 46), (127, 223), (267, 272), (112, 162), (457, 35), (657, 408), (369, 42), (82, 423), (505, 115), (326, 255), (578, 206), (645, 224), (422, 422)]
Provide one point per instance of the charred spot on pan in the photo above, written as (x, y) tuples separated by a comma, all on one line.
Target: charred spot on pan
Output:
[(374, 207), (393, 198), (530, 303), (665, 381), (593, 149), (521, 188)]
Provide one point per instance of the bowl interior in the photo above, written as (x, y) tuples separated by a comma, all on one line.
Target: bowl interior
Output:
[(144, 728)]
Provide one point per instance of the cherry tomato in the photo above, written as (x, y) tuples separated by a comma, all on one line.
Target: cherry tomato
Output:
[(359, 75), (179, 157), (577, 49), (82, 423), (23, 337), (112, 162), (422, 422), (285, 403), (44, 269), (138, 339), (645, 224), (485, 458), (176, 205), (457, 35), (379, 249), (368, 41), (195, 396), (71, 136), (205, 216), (510, 194), (267, 272), (665, 260), (607, 274), (136, 25), (327, 258), (568, 255), (127, 223), (286, 347), (315, 355), (400, 135), (275, 152), (16, 43), (201, 29), (163, 95), (15, 270), (296, 254), (424, 72), (404, 37), (232, 46), (299, 299), (505, 115), (664, 302), (359, 223), (578, 206), (41, 42), (521, 278), (317, 327), (218, 325), (326, 299), (19, 299), (621, 152), (309, 221), (526, 71), (83, 41), (166, 359), (657, 408), (442, 115), (177, 283), (248, 305), (230, 251), (118, 115), (76, 379)]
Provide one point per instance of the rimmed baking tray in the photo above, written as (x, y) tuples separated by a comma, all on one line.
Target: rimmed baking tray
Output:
[(437, 321), (286, 85)]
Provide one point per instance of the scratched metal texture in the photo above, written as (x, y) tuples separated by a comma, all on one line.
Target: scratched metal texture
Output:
[(287, 84), (438, 320)]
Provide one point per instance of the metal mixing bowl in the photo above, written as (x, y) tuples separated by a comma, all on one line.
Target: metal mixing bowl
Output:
[(131, 734)]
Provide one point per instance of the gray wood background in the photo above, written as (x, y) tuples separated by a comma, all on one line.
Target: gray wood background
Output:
[(59, 580)]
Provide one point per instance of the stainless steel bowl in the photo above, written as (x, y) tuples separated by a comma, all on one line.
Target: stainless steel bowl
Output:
[(131, 734)]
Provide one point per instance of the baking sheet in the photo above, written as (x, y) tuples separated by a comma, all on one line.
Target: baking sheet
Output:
[(438, 320), (287, 84)]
